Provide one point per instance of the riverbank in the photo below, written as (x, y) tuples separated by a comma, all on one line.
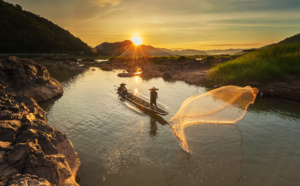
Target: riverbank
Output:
[(195, 72), (31, 151), (190, 70)]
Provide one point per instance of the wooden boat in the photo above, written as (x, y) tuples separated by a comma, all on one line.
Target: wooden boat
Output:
[(142, 104)]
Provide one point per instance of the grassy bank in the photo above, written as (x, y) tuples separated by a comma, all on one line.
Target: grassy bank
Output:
[(264, 65)]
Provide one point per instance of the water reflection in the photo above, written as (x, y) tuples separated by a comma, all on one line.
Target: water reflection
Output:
[(136, 78), (153, 123), (136, 91), (278, 107), (153, 127)]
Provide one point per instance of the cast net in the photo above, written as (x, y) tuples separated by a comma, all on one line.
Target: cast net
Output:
[(224, 105)]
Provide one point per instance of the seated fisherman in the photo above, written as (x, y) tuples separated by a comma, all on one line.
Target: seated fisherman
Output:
[(153, 97), (122, 88)]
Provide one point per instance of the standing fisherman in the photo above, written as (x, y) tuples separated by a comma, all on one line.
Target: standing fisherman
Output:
[(153, 97)]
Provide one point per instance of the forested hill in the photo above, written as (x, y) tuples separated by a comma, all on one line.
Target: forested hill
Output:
[(24, 32)]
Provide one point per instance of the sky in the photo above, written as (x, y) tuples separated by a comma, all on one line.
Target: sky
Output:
[(174, 24)]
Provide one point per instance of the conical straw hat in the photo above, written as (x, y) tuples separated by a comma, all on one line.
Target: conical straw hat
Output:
[(153, 88)]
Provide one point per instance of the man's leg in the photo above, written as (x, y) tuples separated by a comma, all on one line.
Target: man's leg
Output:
[(155, 104), (151, 104)]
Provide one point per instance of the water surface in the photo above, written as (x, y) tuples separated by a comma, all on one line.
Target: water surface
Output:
[(120, 145)]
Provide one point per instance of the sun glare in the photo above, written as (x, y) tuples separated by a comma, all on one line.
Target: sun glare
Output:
[(137, 40)]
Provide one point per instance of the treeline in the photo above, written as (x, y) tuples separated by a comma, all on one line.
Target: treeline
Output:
[(24, 32)]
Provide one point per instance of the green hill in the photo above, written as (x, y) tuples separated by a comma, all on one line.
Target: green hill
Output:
[(274, 62), (24, 32), (289, 40)]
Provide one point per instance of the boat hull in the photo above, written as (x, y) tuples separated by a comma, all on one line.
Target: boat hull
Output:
[(140, 103)]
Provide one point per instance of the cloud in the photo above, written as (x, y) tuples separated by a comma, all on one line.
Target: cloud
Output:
[(104, 3)]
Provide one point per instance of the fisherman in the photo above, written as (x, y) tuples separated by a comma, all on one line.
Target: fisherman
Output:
[(122, 88), (153, 97)]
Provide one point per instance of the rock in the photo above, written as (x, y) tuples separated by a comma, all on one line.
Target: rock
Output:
[(48, 147), (5, 114), (106, 68), (43, 93), (27, 179), (7, 171), (29, 135), (26, 77), (126, 74), (32, 106), (4, 145), (167, 75), (14, 108), (286, 89), (2, 155), (20, 152), (65, 147), (53, 168), (29, 118), (8, 129)]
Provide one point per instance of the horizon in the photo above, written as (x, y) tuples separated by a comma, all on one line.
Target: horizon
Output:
[(205, 25), (177, 49)]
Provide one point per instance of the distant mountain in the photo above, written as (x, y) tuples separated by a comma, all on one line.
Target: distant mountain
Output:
[(24, 32), (289, 40), (185, 52), (225, 51), (127, 48)]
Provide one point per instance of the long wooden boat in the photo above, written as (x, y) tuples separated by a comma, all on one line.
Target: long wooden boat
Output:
[(142, 104)]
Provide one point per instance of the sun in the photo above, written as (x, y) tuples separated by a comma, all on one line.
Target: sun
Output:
[(137, 40)]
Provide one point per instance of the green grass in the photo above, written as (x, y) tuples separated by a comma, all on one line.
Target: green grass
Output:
[(264, 65)]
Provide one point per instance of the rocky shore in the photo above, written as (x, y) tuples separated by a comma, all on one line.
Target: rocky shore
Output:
[(31, 151)]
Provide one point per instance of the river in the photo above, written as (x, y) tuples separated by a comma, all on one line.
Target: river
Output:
[(118, 144)]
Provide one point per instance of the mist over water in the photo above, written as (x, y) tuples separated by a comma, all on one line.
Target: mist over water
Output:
[(120, 145)]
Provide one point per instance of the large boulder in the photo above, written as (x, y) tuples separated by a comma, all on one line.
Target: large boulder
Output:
[(28, 78)]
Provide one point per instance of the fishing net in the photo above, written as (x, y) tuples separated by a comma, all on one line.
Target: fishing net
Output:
[(224, 105)]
